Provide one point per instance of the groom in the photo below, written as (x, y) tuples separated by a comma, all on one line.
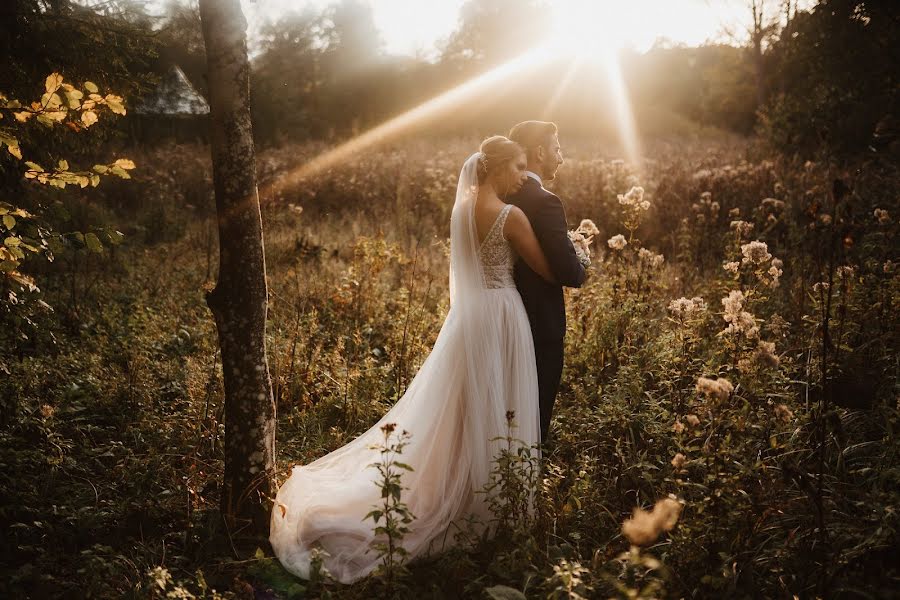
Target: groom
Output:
[(544, 301)]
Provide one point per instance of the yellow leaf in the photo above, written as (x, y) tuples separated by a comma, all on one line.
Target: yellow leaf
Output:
[(63, 164), (88, 117), (115, 104), (23, 116), (125, 163), (54, 80), (51, 100), (15, 151), (91, 87)]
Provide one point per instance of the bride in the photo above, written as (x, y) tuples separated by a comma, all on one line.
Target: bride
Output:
[(482, 365)]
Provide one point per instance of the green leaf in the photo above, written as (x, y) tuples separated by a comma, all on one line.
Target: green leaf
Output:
[(502, 592), (9, 221), (8, 265), (11, 242), (93, 243)]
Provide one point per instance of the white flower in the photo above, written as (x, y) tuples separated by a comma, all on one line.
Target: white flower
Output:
[(652, 259), (784, 413), (587, 227), (739, 321), (743, 228), (617, 242), (644, 527), (582, 247), (755, 252), (634, 198), (882, 215), (719, 388), (732, 267), (845, 272), (684, 308)]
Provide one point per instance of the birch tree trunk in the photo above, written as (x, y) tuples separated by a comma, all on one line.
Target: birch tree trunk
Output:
[(239, 301)]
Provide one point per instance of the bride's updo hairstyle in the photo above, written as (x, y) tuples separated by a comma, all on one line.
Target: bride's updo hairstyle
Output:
[(496, 151)]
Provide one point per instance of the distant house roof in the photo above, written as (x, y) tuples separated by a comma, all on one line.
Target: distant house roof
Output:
[(174, 96)]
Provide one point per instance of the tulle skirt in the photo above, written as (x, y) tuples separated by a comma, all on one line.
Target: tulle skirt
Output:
[(451, 449)]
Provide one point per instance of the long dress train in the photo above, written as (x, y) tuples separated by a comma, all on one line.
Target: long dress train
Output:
[(482, 365)]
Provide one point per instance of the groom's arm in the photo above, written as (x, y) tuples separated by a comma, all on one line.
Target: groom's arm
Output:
[(552, 232)]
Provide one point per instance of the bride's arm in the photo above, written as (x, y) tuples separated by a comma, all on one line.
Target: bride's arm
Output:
[(517, 230)]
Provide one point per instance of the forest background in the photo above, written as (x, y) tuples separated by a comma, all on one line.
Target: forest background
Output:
[(112, 432)]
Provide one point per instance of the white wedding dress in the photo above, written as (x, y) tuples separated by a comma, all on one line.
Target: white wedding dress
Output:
[(482, 365)]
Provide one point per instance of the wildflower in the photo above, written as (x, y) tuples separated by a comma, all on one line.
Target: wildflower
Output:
[(719, 388), (883, 216), (651, 258), (618, 162), (809, 165), (634, 198), (678, 460), (388, 428), (587, 227), (693, 420), (889, 266), (755, 252), (784, 413), (47, 411), (765, 356), (845, 272), (743, 228), (822, 286), (582, 247), (734, 213), (825, 219), (706, 196), (684, 308), (678, 427), (777, 263), (702, 174), (732, 267), (644, 527), (617, 242)]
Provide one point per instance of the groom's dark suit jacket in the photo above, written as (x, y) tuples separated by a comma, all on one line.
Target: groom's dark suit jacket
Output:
[(544, 301)]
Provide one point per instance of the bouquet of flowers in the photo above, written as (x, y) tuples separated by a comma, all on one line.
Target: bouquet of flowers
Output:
[(581, 238)]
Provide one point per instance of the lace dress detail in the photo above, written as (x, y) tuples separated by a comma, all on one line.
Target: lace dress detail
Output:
[(497, 256)]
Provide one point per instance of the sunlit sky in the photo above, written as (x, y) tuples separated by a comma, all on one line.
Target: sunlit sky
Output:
[(409, 27)]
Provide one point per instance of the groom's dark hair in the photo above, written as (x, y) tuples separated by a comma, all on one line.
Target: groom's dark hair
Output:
[(531, 134)]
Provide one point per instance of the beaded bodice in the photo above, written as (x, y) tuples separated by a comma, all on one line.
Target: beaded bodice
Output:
[(497, 256)]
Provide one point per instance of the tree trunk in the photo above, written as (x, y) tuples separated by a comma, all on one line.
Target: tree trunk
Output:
[(757, 35), (239, 301)]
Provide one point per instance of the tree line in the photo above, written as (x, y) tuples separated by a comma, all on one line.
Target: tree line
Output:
[(821, 79)]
